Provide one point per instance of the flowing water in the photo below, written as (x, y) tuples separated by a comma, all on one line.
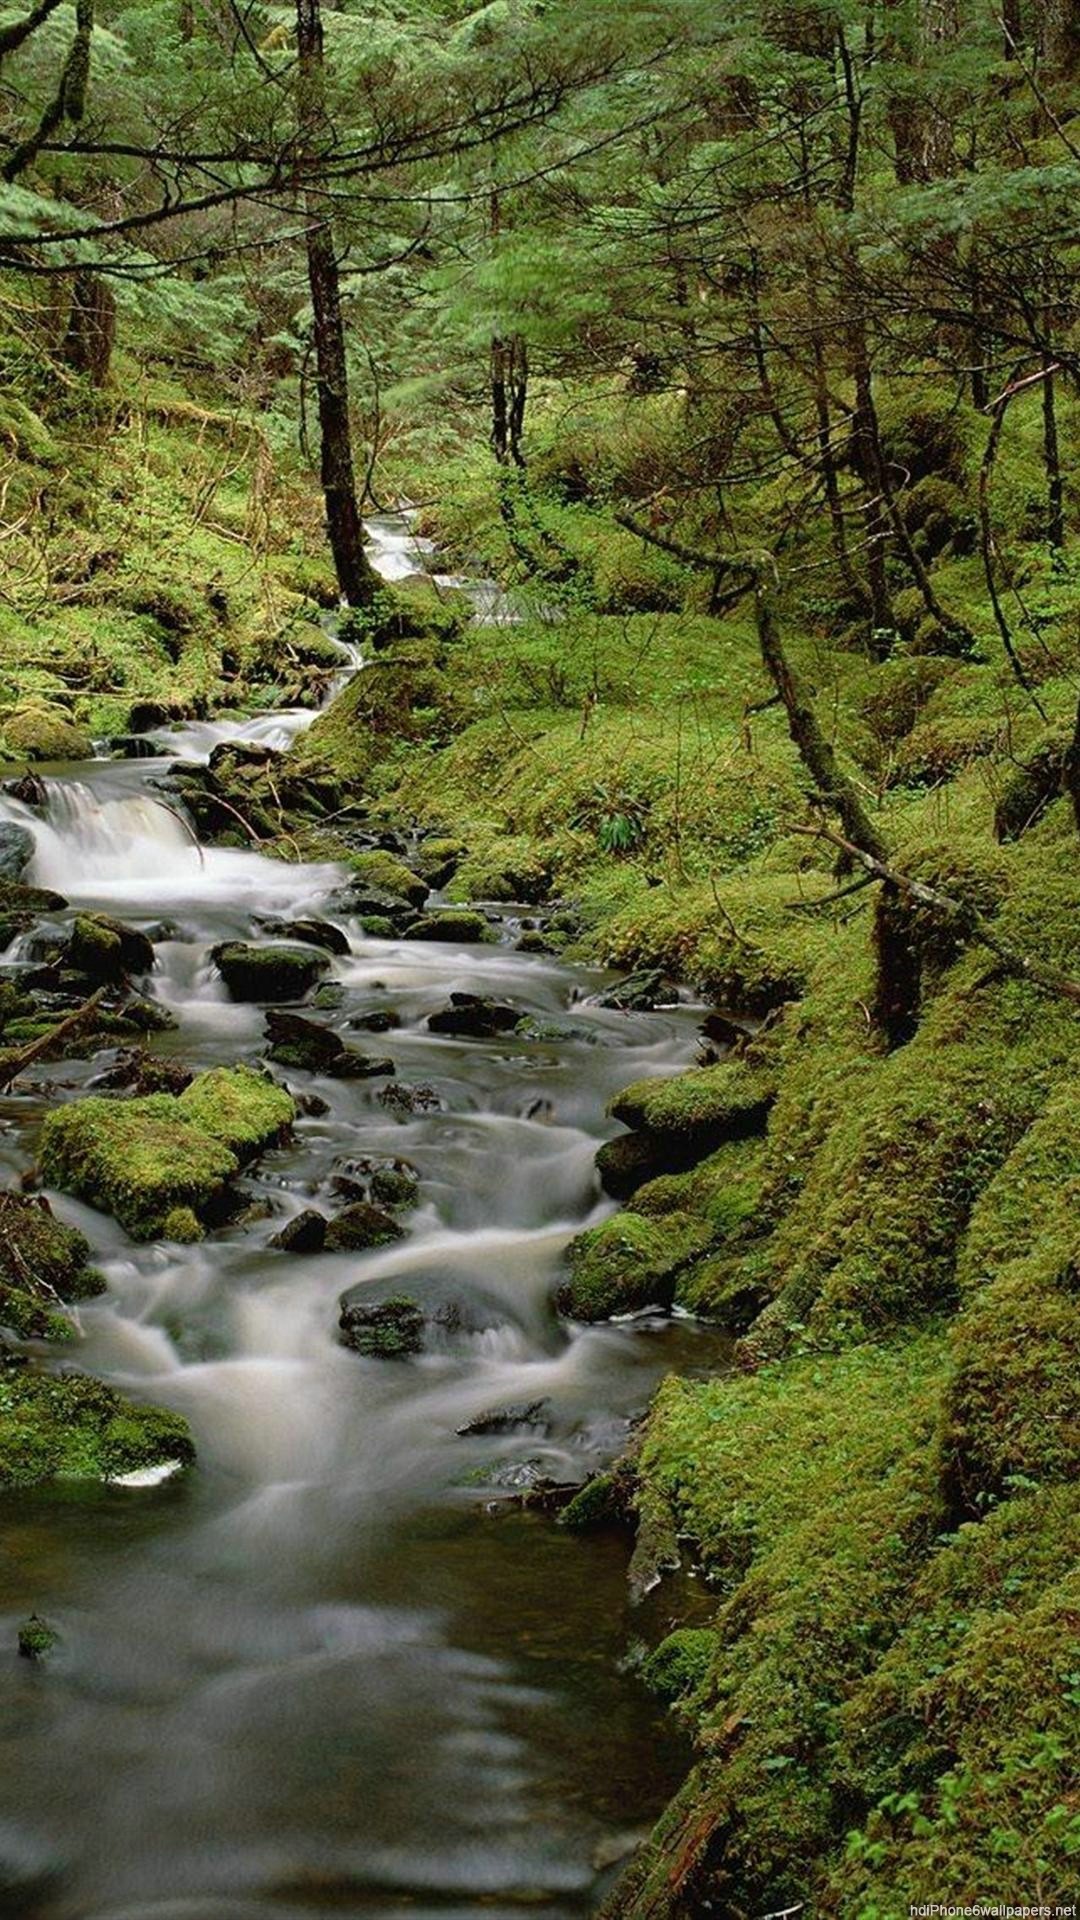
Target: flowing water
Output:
[(336, 1667)]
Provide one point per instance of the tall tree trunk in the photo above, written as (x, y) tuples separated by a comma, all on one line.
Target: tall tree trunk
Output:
[(509, 393), (1055, 485), (357, 578), (1059, 36), (91, 328)]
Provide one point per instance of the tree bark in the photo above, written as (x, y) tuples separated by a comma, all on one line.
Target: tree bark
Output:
[(357, 578), (91, 328)]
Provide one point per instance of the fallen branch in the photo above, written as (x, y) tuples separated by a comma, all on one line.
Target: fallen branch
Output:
[(966, 919), (69, 1025)]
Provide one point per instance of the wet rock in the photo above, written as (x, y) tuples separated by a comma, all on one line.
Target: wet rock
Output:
[(382, 869), (147, 714), (383, 1020), (312, 1105), (274, 974), (304, 1233), (30, 789), (723, 1030), (508, 1419), (375, 926), (366, 902), (639, 993), (136, 1071), (361, 1226), (45, 732), (452, 924), (134, 746), (383, 1330), (329, 997), (311, 1048), (437, 860), (141, 1159), (471, 1016), (105, 950), (16, 849), (43, 1263), (29, 1871), (36, 1640), (313, 933), (389, 1183), (404, 1100), (631, 1160), (533, 941)]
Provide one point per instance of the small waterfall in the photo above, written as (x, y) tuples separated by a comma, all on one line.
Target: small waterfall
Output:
[(88, 840)]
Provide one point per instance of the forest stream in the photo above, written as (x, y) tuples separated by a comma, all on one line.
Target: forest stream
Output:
[(340, 1665)]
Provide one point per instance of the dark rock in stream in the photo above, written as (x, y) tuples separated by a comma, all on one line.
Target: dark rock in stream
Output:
[(639, 993), (404, 1100), (383, 1020), (452, 924), (30, 789), (311, 1048), (105, 950), (507, 1420), (383, 1330), (389, 1183), (361, 1226), (17, 846), (313, 933), (36, 1640), (268, 973), (136, 1071), (366, 902), (471, 1016), (304, 1233)]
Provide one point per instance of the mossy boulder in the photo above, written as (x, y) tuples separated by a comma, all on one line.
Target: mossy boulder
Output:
[(628, 1263), (143, 1159), (704, 1107), (36, 1639), (389, 875), (359, 1227), (272, 973), (383, 1330), (42, 1263), (452, 924), (66, 1426), (107, 951), (307, 1046), (44, 733), (681, 1664), (17, 846)]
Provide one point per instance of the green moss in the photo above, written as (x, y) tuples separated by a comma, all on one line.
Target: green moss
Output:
[(36, 1639), (626, 1263), (69, 1427), (681, 1664), (240, 1107), (44, 733), (709, 1104), (182, 1225), (389, 875), (272, 973), (42, 1264), (451, 924), (138, 1159)]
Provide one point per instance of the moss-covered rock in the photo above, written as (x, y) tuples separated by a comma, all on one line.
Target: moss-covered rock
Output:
[(383, 1330), (271, 973), (705, 1106), (146, 1158), (627, 1263), (452, 924), (359, 1227), (389, 875), (107, 950), (681, 1664), (44, 733), (36, 1639), (65, 1426), (43, 1263)]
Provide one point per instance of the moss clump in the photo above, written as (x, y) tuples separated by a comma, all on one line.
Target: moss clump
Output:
[(627, 1263), (36, 1639), (706, 1106), (183, 1226), (143, 1159), (360, 1226), (42, 1263), (68, 1427), (274, 974), (385, 1330), (390, 875), (107, 950), (451, 924), (239, 1106), (44, 733), (681, 1664)]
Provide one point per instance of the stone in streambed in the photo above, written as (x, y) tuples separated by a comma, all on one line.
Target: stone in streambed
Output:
[(42, 1263), (16, 849), (383, 870), (304, 1233), (367, 903), (312, 933), (403, 1100), (472, 1016), (30, 789), (639, 993), (278, 973), (361, 1226), (66, 1426), (384, 1330), (383, 1020), (36, 1639), (141, 1159), (311, 1048), (452, 924), (628, 1263), (389, 1183), (632, 1159), (45, 732), (106, 951), (136, 1071), (507, 1419)]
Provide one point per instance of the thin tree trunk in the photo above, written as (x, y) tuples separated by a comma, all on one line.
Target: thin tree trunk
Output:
[(357, 578), (91, 327), (1055, 485)]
